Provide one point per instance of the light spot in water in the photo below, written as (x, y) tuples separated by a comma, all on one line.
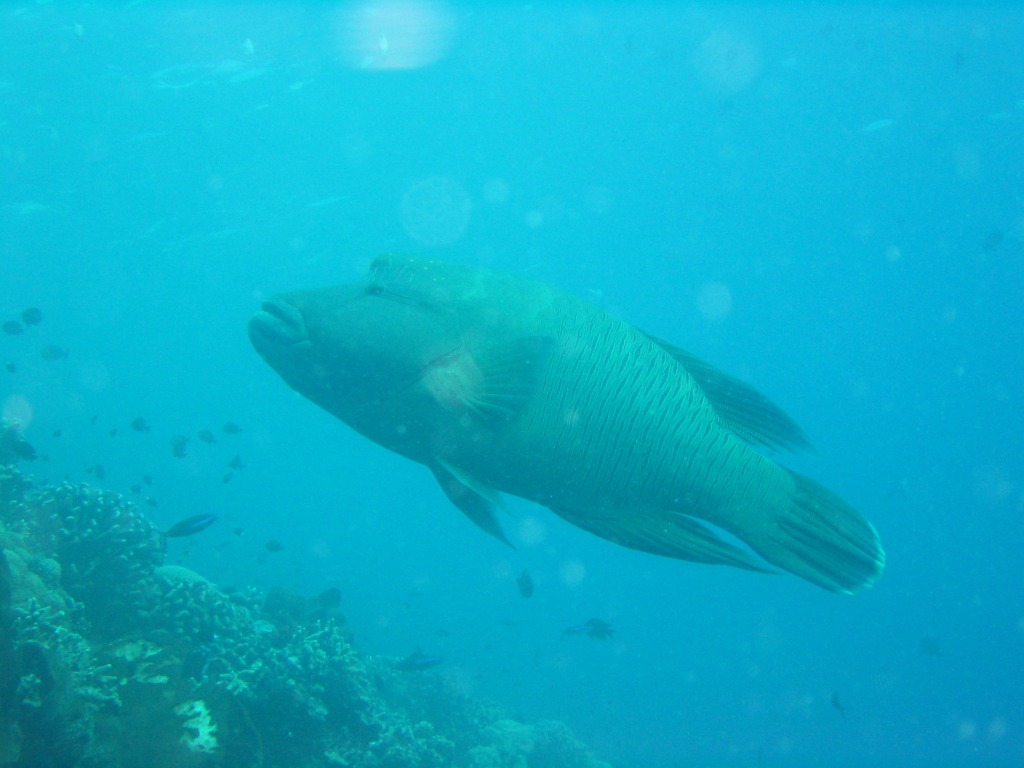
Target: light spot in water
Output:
[(878, 125), (967, 163), (534, 219), (435, 211), (394, 34), (532, 532), (18, 409), (727, 62), (95, 376), (572, 573), (496, 191), (714, 301)]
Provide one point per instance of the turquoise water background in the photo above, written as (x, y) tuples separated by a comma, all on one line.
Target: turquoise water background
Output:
[(826, 200)]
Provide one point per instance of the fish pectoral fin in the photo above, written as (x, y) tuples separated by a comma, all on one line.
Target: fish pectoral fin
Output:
[(669, 534), (476, 500), (742, 409), (510, 374)]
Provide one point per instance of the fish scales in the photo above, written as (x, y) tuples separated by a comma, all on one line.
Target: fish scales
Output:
[(604, 448), (502, 385)]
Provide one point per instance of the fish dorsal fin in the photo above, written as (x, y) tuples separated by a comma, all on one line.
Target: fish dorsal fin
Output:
[(742, 409), (495, 382), (476, 500)]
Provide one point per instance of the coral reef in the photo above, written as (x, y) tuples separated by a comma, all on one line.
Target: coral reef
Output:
[(109, 657)]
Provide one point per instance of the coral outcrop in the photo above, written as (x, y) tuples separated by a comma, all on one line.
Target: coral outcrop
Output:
[(109, 657)]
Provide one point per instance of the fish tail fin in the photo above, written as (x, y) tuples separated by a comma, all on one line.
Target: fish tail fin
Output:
[(821, 538)]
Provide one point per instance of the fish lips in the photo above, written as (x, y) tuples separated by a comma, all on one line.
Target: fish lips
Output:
[(278, 328)]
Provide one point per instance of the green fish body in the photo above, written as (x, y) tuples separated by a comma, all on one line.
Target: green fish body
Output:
[(503, 385)]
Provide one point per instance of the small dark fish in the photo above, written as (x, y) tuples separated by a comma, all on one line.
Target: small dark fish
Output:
[(993, 241), (525, 584), (416, 662), (595, 628), (837, 704), (53, 352), (112, 432), (230, 428), (147, 479), (236, 463), (207, 436), (99, 471), (57, 433), (238, 531), (930, 646), (273, 546), (13, 327), (151, 501), (190, 526), (11, 368), (139, 424), (329, 598), (179, 446), (32, 316), (136, 488), (227, 477)]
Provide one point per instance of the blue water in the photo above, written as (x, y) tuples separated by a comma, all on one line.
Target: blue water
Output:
[(826, 201)]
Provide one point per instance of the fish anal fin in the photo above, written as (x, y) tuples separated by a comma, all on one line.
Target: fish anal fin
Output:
[(669, 534), (742, 409), (476, 500)]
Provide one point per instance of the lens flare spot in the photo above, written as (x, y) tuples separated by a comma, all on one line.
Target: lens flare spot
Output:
[(394, 34)]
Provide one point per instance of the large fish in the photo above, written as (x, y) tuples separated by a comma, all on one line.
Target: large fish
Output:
[(498, 384)]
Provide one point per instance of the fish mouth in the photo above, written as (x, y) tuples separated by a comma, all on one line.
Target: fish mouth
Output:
[(277, 324)]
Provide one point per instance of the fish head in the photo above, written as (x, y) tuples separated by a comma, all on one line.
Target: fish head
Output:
[(357, 350)]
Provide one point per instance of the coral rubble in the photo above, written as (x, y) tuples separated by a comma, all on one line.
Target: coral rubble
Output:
[(109, 657)]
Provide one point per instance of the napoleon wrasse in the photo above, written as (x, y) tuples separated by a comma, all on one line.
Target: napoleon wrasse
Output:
[(499, 384)]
